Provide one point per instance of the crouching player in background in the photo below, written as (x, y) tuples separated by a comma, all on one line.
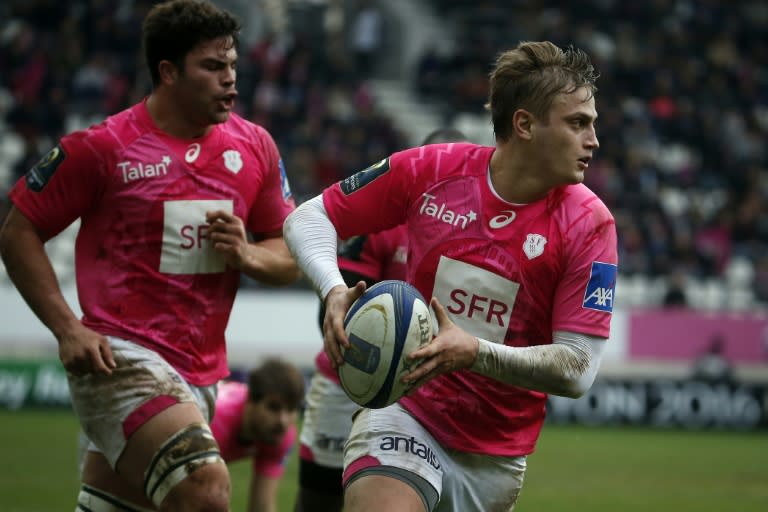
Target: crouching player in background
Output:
[(328, 412), (257, 420)]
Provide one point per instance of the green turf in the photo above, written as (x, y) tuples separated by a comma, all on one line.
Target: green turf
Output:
[(576, 469)]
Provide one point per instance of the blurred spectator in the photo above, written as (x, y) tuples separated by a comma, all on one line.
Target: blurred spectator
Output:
[(675, 296), (366, 34)]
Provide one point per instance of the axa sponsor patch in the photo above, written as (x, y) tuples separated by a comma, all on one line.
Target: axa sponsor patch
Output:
[(364, 177), (601, 287), (285, 187), (39, 175)]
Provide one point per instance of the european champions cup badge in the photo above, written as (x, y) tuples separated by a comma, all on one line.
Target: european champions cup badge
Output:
[(232, 160)]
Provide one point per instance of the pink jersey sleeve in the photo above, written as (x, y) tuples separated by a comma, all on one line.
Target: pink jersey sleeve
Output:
[(61, 186), (584, 299), (391, 191), (275, 201), (371, 200), (228, 415)]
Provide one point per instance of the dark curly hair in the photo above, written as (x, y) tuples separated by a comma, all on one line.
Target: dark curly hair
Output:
[(172, 29)]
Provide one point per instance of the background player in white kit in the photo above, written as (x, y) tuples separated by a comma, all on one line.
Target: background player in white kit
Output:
[(328, 411), (166, 191), (519, 258)]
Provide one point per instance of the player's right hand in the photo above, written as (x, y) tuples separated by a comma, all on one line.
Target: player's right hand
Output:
[(337, 303), (83, 352)]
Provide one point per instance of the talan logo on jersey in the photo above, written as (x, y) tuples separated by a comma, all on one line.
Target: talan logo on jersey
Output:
[(505, 218), (39, 175), (284, 185), (131, 171), (232, 160), (441, 212), (364, 177), (193, 151), (601, 287), (534, 245)]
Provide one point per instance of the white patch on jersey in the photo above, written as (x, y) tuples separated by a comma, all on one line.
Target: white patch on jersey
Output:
[(503, 219), (401, 254), (478, 301), (232, 160), (193, 151), (186, 248), (534, 245)]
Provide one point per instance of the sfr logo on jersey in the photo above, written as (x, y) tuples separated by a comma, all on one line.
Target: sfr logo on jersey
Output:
[(601, 287), (186, 248), (479, 301)]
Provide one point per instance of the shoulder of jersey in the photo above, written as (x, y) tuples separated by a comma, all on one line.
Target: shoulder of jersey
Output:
[(240, 127), (112, 134), (452, 158)]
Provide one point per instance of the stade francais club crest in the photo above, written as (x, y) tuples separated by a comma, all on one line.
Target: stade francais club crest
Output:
[(232, 160), (534, 245)]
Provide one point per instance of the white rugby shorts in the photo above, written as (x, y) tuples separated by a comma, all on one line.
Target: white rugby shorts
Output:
[(112, 407), (469, 482), (327, 422)]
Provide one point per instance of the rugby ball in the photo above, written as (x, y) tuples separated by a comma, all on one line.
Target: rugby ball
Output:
[(388, 322)]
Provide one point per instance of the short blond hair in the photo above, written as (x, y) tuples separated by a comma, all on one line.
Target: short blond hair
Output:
[(530, 76)]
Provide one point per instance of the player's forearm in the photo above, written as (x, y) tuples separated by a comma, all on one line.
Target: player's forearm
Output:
[(270, 262), (29, 268), (566, 368), (312, 240), (263, 494), (254, 506)]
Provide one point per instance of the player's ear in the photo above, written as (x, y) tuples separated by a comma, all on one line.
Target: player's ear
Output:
[(522, 123), (168, 72)]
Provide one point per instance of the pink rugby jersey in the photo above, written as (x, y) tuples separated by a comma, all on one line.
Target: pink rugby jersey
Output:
[(268, 459), (507, 273), (377, 256), (145, 270)]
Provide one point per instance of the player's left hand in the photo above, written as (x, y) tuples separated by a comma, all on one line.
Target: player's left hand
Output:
[(227, 235), (337, 303), (452, 349)]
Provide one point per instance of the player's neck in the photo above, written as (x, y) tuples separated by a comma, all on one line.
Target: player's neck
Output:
[(166, 116), (514, 178)]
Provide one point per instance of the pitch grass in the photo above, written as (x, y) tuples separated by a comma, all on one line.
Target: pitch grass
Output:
[(587, 469)]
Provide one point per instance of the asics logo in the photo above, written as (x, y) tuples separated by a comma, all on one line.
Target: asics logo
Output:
[(505, 218), (193, 151)]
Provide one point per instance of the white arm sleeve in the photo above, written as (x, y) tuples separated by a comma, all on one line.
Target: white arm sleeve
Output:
[(567, 367), (312, 240)]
